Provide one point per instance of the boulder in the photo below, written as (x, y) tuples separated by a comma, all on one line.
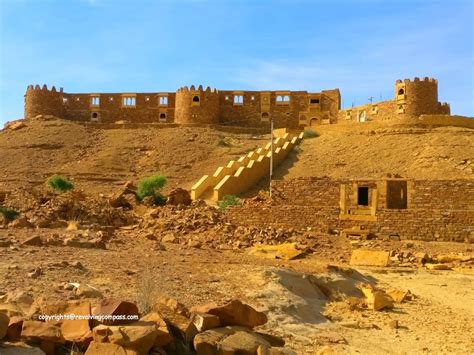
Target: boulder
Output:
[(74, 330), (376, 299), (180, 326), (138, 336), (240, 340), (399, 296), (179, 196), (15, 125), (14, 329), (43, 331), (96, 348), (234, 313), (285, 251), (163, 336), (204, 321), (437, 267), (20, 349), (117, 309), (21, 222), (87, 291), (33, 241), (4, 321), (362, 257)]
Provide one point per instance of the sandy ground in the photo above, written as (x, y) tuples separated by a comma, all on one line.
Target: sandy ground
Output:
[(438, 320)]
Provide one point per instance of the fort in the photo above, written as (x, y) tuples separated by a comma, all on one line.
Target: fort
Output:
[(287, 109)]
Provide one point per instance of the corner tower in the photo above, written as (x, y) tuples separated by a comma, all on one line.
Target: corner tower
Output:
[(417, 97), (41, 101), (197, 105)]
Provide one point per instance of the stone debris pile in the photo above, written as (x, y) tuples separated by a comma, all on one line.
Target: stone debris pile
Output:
[(108, 326)]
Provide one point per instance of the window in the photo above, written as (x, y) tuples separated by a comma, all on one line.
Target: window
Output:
[(227, 97), (95, 116), (77, 99), (401, 91), (196, 99), (363, 196), (252, 98), (65, 100), (265, 117), (147, 98), (283, 98), (163, 100), (95, 100), (397, 194), (129, 101), (238, 99), (111, 98), (314, 101), (162, 116)]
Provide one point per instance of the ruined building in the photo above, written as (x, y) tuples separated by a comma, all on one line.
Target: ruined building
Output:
[(290, 109)]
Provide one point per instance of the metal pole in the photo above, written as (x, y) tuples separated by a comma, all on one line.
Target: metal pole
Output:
[(271, 154)]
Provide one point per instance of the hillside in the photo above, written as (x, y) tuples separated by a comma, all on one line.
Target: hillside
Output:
[(372, 151), (100, 159)]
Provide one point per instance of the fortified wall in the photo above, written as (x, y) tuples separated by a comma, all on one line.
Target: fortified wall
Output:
[(186, 106), (431, 210), (412, 98), (288, 109)]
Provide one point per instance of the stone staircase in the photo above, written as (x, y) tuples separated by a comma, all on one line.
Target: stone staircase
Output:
[(240, 175)]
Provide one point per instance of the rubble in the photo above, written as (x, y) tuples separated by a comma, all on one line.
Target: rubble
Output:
[(376, 299)]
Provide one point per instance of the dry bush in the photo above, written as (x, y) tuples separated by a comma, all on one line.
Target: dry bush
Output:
[(147, 291)]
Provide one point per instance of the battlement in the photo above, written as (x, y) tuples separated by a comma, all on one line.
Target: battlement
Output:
[(43, 88), (417, 80), (206, 105), (200, 89)]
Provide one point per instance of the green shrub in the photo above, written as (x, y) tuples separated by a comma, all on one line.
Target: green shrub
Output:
[(309, 133), (150, 186), (8, 213), (223, 142), (59, 183), (228, 200)]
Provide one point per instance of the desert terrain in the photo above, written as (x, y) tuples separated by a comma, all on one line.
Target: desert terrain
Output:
[(98, 242)]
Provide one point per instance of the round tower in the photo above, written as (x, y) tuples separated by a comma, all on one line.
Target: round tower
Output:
[(197, 105), (417, 97), (41, 101)]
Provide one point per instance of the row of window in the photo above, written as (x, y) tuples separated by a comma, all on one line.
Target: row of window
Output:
[(163, 100), (126, 100)]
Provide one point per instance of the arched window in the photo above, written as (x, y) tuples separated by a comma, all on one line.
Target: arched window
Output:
[(196, 98), (401, 91)]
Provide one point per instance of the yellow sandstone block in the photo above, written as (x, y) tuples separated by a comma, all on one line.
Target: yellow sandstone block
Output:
[(363, 257)]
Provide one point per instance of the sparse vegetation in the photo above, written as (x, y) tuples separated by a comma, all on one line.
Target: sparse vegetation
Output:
[(309, 133), (8, 213), (151, 186), (59, 183), (147, 291), (223, 142), (228, 200)]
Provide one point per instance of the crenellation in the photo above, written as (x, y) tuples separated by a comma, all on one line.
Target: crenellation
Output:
[(199, 105)]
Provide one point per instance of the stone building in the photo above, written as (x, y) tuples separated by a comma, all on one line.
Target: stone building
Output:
[(289, 109)]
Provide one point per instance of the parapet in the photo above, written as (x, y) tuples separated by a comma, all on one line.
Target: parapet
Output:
[(200, 88), (417, 80), (43, 101), (44, 88)]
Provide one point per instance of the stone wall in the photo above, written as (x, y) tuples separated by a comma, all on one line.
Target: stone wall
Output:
[(197, 105), (412, 98), (112, 108), (436, 210), (41, 101)]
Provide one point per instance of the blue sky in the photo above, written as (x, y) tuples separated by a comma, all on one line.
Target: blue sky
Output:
[(361, 47)]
